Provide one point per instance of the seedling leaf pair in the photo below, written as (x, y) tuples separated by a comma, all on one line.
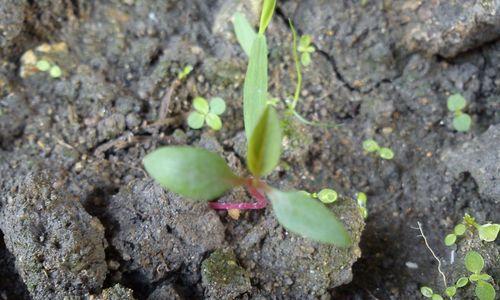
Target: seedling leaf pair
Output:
[(461, 121), (207, 112)]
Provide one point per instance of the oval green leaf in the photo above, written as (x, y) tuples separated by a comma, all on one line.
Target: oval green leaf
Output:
[(195, 120), (43, 65), (301, 214), (456, 102), (201, 105), (450, 239), (386, 153), (305, 59), (266, 15), (484, 291), (459, 229), (426, 291), (217, 105), (264, 148), (462, 122), (245, 34), (436, 297), (55, 72), (474, 262), (484, 277), (255, 86), (462, 281), (370, 145), (214, 121), (488, 232), (450, 291), (327, 196), (192, 172)]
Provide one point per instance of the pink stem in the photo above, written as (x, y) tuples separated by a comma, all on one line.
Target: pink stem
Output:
[(261, 202)]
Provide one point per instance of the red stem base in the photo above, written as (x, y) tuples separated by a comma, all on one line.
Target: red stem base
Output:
[(259, 204)]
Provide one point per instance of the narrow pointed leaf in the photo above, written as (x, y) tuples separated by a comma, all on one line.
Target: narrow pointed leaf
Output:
[(301, 214), (266, 15), (255, 86), (264, 147), (245, 34), (192, 172)]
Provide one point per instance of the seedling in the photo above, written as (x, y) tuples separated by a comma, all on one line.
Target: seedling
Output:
[(371, 146), (461, 121), (306, 49), (487, 232), (205, 112), (326, 196), (361, 198), (45, 66), (184, 72), (202, 175), (474, 263)]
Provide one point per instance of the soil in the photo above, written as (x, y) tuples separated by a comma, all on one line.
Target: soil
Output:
[(80, 217)]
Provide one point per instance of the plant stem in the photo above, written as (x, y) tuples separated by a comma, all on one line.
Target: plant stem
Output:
[(297, 69), (259, 204)]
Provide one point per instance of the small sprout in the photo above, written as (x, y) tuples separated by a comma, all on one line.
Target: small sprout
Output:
[(474, 262), (488, 232), (462, 281), (371, 145), (426, 291), (451, 291), (43, 65), (459, 229), (461, 121), (450, 239), (185, 72), (55, 71), (361, 198), (207, 112), (484, 291), (305, 49), (436, 297), (327, 196)]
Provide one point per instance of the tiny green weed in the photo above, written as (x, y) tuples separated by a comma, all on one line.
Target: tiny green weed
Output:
[(461, 121), (305, 49), (487, 232), (371, 146), (207, 112), (46, 66)]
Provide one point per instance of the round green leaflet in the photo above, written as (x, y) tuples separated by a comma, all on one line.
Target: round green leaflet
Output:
[(459, 229), (462, 281), (55, 72), (201, 105), (450, 239), (484, 277), (362, 198), (456, 102), (304, 43), (214, 121), (474, 277), (305, 59), (43, 65), (370, 145), (386, 153), (217, 105), (196, 120), (488, 232), (327, 196), (484, 291), (474, 262), (426, 291), (436, 297), (462, 122), (450, 291)]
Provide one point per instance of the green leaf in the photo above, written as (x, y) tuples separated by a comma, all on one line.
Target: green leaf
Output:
[(217, 105), (386, 153), (55, 72), (42, 65), (192, 172), (370, 145), (304, 42), (426, 291), (362, 198), (308, 217), (196, 120), (450, 239), (484, 291), (451, 291), (436, 297), (484, 277), (201, 105), (214, 121), (460, 229), (462, 281), (245, 34), (474, 262), (264, 148), (266, 15), (327, 196), (310, 49), (255, 86), (462, 122), (488, 232), (305, 59), (363, 211), (456, 102), (474, 277), (185, 72)]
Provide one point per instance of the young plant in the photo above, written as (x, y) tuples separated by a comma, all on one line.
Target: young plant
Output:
[(306, 49), (487, 232), (461, 121), (45, 66), (371, 146), (474, 263), (361, 198), (202, 175), (207, 112)]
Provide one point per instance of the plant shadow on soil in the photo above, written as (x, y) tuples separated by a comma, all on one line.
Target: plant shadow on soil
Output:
[(92, 127)]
